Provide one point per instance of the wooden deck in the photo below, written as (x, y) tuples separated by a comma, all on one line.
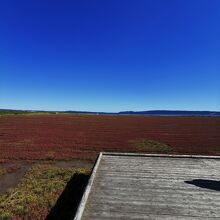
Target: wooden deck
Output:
[(134, 186)]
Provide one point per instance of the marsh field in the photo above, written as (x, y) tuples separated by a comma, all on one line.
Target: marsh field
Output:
[(45, 157)]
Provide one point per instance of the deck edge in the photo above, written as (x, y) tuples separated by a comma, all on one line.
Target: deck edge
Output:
[(159, 155), (86, 193)]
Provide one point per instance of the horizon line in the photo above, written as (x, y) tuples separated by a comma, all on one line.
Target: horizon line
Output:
[(44, 110)]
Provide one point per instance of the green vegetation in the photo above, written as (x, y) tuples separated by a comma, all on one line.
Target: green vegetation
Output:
[(50, 155), (12, 112), (216, 150), (37, 193), (22, 112), (151, 146), (2, 172)]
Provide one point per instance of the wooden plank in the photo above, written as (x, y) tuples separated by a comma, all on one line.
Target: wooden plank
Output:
[(136, 186)]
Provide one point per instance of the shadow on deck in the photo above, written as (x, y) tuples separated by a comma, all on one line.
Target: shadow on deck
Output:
[(208, 184)]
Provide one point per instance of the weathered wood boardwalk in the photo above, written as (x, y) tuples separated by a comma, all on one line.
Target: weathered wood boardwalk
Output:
[(133, 186)]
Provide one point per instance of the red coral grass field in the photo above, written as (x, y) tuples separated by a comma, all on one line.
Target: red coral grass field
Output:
[(68, 136)]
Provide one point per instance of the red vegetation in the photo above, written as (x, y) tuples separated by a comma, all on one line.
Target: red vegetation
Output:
[(83, 136)]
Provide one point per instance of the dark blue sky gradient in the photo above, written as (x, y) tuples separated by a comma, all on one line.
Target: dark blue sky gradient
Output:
[(110, 55)]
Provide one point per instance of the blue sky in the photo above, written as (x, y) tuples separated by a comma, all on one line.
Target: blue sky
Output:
[(110, 55)]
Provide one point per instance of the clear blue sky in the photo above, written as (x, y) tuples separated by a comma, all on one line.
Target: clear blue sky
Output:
[(110, 55)]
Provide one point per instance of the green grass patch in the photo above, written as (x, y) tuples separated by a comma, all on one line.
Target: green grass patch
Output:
[(146, 145), (37, 193), (23, 112), (12, 112), (216, 150), (2, 172), (50, 155)]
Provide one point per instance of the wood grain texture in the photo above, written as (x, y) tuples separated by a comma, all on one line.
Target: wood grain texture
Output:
[(136, 187)]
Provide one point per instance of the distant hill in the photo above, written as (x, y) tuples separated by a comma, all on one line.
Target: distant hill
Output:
[(171, 113), (147, 113)]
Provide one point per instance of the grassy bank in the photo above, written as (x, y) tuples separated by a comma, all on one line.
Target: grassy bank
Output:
[(38, 192)]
